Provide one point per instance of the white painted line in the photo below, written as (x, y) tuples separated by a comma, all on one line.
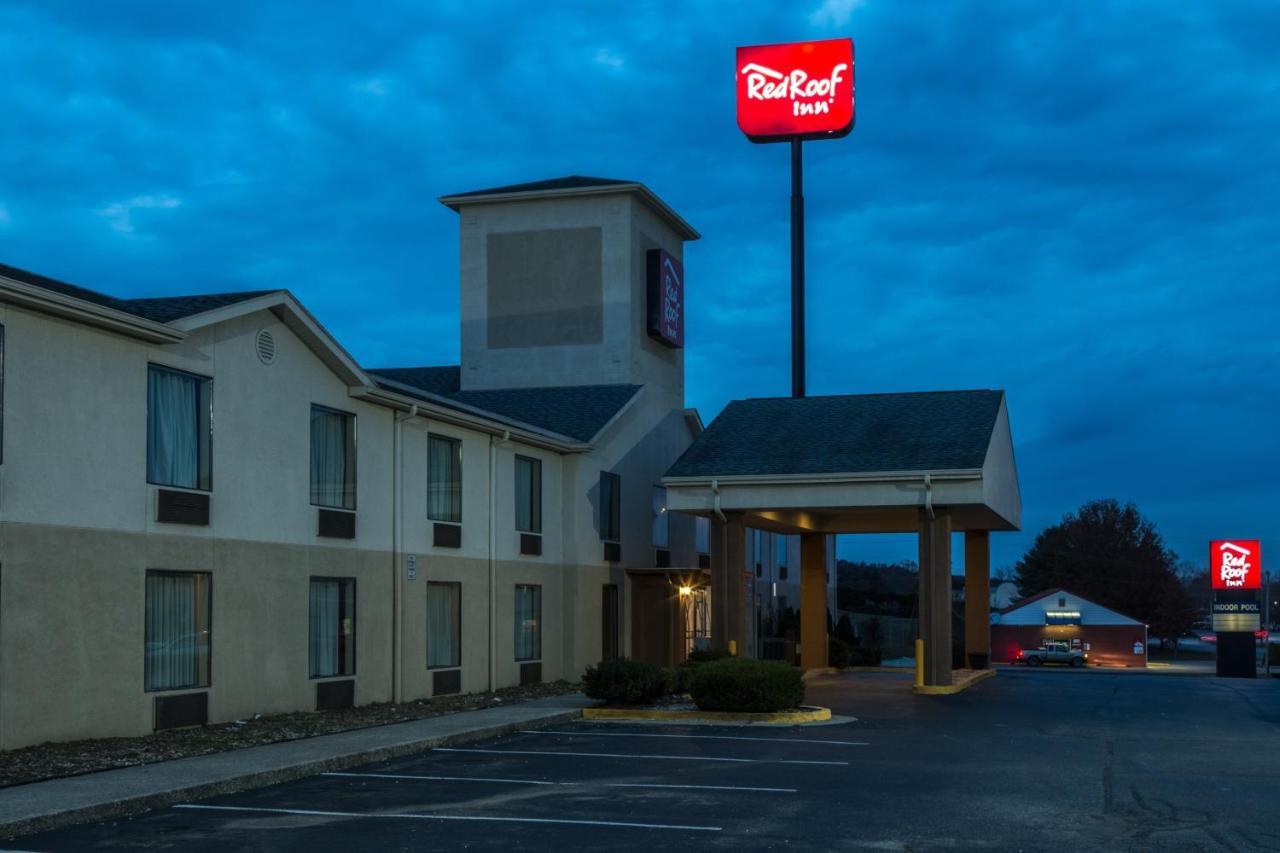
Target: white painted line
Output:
[(545, 752), (580, 784), (700, 737), (475, 818), (445, 778)]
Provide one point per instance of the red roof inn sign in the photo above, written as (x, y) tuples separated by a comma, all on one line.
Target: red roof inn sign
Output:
[(803, 89), (1235, 563)]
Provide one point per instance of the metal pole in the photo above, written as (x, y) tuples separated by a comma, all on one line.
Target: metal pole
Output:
[(797, 268)]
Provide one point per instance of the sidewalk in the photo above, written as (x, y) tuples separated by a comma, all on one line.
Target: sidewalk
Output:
[(112, 793)]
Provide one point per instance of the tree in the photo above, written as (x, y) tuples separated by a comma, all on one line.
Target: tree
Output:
[(1111, 554)]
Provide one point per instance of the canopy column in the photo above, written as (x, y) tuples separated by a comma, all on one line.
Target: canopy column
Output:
[(728, 589), (935, 595), (977, 597), (813, 600)]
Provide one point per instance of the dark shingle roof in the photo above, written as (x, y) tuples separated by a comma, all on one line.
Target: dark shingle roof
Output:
[(164, 309), (576, 411), (935, 431), (571, 182)]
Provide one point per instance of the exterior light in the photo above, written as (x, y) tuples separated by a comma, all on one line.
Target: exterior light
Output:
[(686, 590)]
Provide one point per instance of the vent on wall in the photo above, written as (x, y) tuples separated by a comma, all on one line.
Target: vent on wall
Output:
[(265, 344)]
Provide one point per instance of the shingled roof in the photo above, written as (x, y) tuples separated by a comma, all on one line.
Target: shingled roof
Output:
[(569, 182), (865, 433), (164, 309), (576, 411)]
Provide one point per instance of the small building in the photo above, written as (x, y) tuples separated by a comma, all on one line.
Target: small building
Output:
[(1109, 638)]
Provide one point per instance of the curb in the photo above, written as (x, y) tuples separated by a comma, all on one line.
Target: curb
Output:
[(146, 802), (837, 670), (805, 714), (956, 687)]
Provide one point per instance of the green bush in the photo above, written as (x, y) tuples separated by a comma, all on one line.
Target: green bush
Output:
[(627, 681), (839, 653), (681, 677), (866, 656), (740, 684), (706, 655)]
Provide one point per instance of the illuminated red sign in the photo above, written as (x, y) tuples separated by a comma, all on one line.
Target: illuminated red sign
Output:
[(665, 286), (803, 89), (1235, 563)]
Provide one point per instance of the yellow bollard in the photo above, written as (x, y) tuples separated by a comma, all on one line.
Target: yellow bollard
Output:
[(919, 662), (733, 648)]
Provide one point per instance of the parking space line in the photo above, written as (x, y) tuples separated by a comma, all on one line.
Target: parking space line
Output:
[(545, 752), (410, 777), (699, 737), (473, 818), (445, 778)]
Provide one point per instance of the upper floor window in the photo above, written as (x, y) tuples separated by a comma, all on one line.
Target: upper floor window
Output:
[(444, 479), (702, 534), (661, 519), (528, 494), (333, 458), (179, 419), (610, 507)]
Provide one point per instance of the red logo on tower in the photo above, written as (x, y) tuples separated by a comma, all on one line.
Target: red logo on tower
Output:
[(1235, 563), (803, 89)]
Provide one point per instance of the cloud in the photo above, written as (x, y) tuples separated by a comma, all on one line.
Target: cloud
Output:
[(835, 12), (5, 218), (119, 214), (608, 58)]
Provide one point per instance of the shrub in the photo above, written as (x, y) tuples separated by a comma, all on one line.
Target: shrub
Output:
[(740, 684), (839, 653), (706, 655), (866, 656), (627, 681)]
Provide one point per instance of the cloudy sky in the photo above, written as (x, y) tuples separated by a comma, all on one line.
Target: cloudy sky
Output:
[(1077, 203)]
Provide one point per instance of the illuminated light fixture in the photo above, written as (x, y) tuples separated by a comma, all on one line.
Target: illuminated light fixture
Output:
[(686, 590)]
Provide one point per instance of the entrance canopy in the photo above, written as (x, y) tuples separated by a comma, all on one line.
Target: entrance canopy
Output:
[(864, 463)]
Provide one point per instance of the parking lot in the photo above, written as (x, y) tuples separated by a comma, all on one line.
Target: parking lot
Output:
[(1028, 760)]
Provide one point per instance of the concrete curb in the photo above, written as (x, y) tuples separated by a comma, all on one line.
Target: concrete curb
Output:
[(965, 682), (837, 670), (128, 805), (805, 714)]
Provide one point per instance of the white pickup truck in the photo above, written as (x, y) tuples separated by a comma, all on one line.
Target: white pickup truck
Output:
[(1052, 651)]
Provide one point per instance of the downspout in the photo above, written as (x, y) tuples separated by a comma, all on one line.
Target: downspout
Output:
[(715, 491), (928, 496), (397, 548), (493, 557)]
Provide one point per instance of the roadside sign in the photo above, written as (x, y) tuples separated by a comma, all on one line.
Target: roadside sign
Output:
[(1235, 563), (801, 89)]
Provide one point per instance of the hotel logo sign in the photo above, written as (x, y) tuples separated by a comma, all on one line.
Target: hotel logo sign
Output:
[(664, 278), (804, 89), (1235, 563)]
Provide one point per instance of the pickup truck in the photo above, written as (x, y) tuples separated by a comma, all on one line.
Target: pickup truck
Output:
[(1052, 652)]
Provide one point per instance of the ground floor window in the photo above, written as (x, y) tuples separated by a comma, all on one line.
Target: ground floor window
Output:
[(177, 637), (528, 613), (609, 623), (444, 625), (333, 627), (697, 619)]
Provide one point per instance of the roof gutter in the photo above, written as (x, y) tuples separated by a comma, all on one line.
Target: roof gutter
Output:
[(683, 228), (459, 414), (957, 474), (82, 311)]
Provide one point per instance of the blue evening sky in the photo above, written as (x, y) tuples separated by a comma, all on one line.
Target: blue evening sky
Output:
[(1077, 203)]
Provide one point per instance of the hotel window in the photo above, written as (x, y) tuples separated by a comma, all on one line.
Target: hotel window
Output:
[(528, 625), (702, 535), (444, 479), (444, 625), (757, 551), (179, 422), (610, 507), (176, 630), (528, 495), (781, 541), (333, 458), (661, 519), (333, 627)]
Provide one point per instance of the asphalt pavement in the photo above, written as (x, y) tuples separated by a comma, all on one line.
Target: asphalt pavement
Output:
[(1026, 761)]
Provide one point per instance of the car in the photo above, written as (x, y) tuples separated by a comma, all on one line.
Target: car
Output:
[(1052, 652)]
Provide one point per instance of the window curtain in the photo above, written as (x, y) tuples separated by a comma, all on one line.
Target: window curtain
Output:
[(326, 626), (661, 519), (173, 446), (177, 631), (528, 495), (444, 479), (444, 632), (331, 480), (528, 627)]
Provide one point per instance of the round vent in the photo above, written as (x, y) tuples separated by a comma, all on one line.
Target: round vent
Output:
[(266, 347)]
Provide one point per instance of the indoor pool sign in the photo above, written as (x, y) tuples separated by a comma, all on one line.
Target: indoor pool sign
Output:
[(1235, 563), (803, 89)]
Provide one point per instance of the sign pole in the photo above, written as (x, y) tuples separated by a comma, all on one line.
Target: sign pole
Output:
[(797, 267)]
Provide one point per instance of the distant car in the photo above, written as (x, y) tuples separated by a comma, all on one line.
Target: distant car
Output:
[(1052, 652)]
